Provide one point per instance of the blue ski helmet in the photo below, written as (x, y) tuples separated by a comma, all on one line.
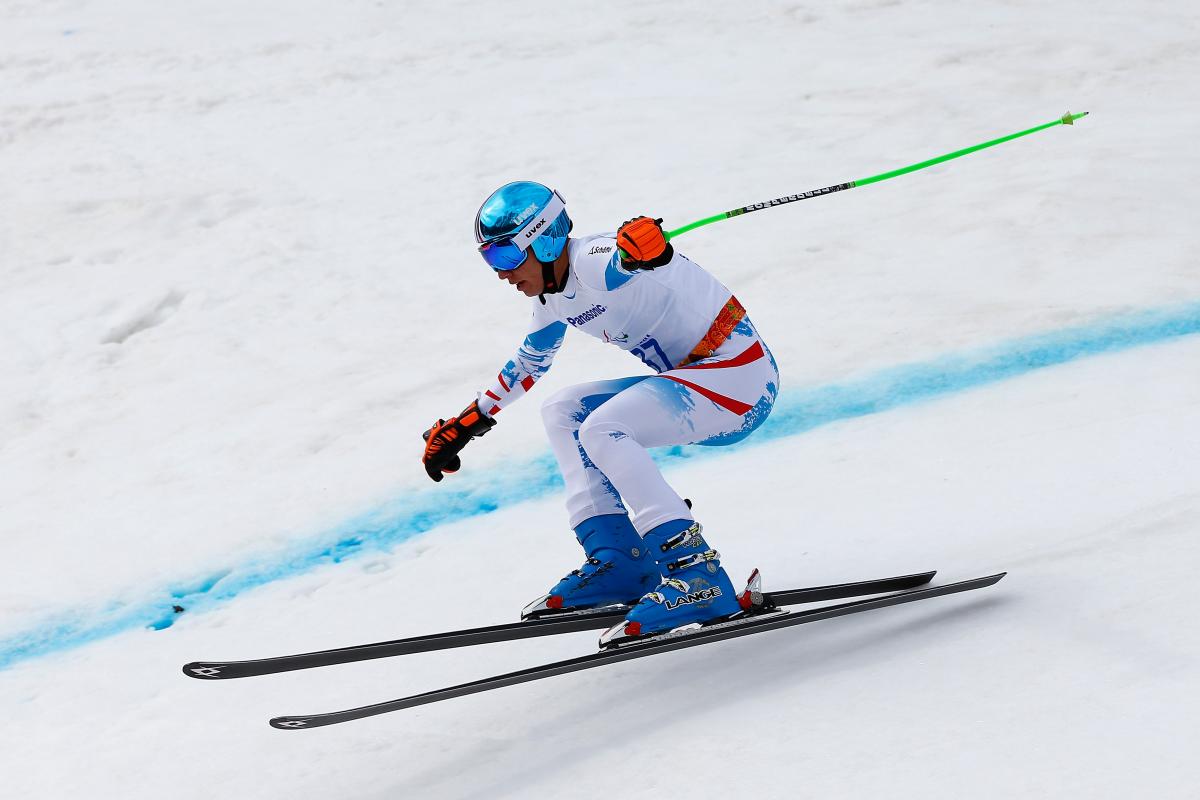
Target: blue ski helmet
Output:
[(519, 217)]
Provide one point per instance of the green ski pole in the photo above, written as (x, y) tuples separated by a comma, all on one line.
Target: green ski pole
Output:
[(1065, 119)]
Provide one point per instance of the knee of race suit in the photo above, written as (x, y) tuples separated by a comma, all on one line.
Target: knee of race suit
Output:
[(568, 408), (561, 411), (598, 436)]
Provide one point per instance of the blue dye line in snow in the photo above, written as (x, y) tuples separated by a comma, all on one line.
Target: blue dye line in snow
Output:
[(418, 511)]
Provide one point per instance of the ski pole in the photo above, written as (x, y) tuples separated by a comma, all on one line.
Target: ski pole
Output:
[(1066, 119)]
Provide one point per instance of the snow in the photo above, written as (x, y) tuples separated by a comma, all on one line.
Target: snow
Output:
[(236, 282)]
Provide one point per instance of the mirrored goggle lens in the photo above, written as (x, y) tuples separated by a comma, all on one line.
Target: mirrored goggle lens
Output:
[(502, 255)]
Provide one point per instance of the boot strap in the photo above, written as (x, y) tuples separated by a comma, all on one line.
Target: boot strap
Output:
[(693, 560), (681, 537)]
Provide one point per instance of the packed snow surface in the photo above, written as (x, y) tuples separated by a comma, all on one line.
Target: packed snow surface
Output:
[(237, 282)]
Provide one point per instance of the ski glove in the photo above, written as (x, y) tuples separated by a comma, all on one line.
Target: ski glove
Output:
[(446, 439), (643, 245)]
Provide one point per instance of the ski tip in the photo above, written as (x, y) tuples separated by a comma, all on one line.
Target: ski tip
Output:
[(203, 670), (918, 578), (289, 723)]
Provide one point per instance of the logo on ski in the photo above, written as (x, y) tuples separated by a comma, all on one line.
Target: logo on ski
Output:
[(694, 597), (206, 672), (292, 723)]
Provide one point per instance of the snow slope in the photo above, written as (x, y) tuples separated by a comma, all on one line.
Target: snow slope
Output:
[(236, 281)]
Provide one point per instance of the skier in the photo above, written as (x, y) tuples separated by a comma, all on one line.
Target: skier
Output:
[(715, 382)]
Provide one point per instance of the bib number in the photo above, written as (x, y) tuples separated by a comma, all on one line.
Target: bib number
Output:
[(652, 355)]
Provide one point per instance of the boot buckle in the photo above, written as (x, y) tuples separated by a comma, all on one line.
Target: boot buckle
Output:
[(681, 537), (693, 560)]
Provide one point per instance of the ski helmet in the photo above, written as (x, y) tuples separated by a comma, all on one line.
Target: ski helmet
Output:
[(520, 217)]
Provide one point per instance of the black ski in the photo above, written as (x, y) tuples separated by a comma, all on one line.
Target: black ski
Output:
[(220, 670), (677, 640)]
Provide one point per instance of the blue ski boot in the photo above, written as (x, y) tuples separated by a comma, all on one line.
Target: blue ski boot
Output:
[(695, 590), (618, 570)]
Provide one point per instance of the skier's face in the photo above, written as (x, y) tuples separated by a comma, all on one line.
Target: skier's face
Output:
[(527, 277)]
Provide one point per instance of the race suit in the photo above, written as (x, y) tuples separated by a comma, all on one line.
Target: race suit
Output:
[(715, 380)]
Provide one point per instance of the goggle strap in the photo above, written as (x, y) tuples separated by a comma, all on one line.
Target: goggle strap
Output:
[(536, 226)]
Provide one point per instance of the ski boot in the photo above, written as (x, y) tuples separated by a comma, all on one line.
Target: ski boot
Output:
[(696, 590), (618, 571)]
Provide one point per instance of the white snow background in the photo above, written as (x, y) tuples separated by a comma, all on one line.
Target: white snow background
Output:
[(237, 280)]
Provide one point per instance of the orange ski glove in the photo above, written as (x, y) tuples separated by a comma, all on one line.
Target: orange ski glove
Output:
[(446, 439), (643, 243)]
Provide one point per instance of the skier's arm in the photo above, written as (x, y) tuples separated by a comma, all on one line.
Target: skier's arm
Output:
[(532, 361), (446, 438)]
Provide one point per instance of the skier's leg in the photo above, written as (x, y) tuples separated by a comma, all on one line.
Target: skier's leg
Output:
[(588, 490), (617, 569), (715, 401), (599, 433)]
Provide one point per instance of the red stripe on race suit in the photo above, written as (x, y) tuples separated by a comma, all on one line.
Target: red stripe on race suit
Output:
[(751, 354), (736, 406)]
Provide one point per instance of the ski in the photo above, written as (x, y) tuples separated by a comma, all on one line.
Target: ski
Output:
[(547, 626), (676, 640)]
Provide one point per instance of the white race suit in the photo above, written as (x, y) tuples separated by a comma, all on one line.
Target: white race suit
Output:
[(715, 379)]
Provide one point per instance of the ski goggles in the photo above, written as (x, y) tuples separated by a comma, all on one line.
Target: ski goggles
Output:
[(510, 252)]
